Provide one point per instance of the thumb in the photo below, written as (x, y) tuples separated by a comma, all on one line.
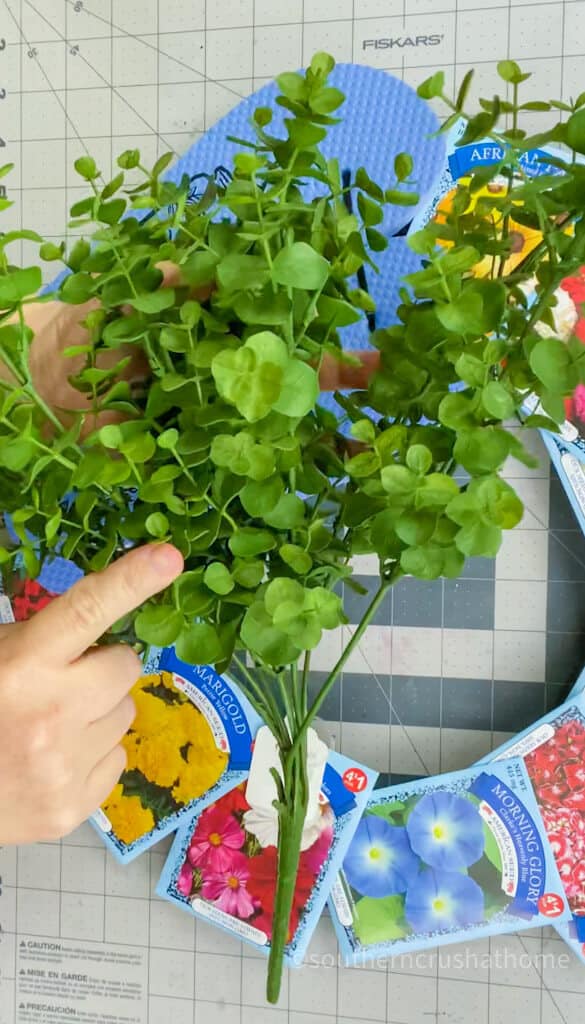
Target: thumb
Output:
[(72, 623)]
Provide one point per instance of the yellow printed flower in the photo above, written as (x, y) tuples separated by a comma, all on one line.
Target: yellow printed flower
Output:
[(159, 757), (128, 818), (200, 773)]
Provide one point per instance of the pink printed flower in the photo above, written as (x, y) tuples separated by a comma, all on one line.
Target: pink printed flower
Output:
[(185, 880), (227, 889), (579, 395), (314, 858), (216, 837)]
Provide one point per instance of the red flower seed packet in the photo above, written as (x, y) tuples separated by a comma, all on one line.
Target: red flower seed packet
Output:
[(553, 752), (222, 865)]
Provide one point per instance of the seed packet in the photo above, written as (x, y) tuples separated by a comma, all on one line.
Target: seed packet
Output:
[(569, 312), (553, 751), (191, 742), (222, 865), (571, 473), (446, 859)]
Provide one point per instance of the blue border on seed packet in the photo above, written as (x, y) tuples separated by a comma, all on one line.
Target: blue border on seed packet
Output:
[(348, 809), (241, 723), (570, 467), (507, 789)]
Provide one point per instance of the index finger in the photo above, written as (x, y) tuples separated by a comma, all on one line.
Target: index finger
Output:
[(63, 630)]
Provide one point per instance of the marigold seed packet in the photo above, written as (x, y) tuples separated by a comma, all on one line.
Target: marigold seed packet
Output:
[(191, 742), (447, 859), (462, 162), (222, 865), (553, 751)]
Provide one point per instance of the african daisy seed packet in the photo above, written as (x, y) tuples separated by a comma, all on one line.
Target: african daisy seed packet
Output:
[(443, 860), (222, 865), (191, 741)]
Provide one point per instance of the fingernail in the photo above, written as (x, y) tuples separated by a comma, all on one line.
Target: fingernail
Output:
[(164, 559)]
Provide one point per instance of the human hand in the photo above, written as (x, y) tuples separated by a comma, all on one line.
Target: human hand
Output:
[(65, 705)]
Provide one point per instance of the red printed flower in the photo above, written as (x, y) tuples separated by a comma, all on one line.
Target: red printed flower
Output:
[(565, 829), (234, 800), (262, 887)]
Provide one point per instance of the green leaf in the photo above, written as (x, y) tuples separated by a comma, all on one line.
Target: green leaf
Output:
[(15, 455), (499, 503), (262, 638), (153, 302), (297, 558), (86, 167), (252, 385), (403, 165), (199, 644), (299, 390), (498, 401), (471, 370), (300, 266), (463, 315), (398, 198), (510, 71), (159, 625), (432, 87), (240, 272), (77, 288), (161, 164), (478, 539), (248, 573), (424, 562), (157, 525), (416, 527), (169, 439), (482, 449), (326, 100), (419, 459), (49, 251), (111, 436), (17, 285), (218, 578), (551, 362), (399, 481), (364, 464), (248, 542), (575, 130), (436, 489), (363, 430), (379, 919), (292, 85), (259, 498), (322, 64), (287, 514)]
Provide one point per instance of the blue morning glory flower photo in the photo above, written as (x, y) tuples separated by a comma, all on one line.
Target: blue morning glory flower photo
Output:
[(446, 831), (440, 900), (380, 861)]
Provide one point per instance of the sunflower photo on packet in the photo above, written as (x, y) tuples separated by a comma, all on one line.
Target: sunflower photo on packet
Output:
[(436, 861), (190, 742)]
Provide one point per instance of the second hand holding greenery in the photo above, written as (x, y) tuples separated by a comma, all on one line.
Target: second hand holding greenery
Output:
[(216, 448)]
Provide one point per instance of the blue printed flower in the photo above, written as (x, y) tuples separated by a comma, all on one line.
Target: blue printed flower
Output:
[(446, 831), (443, 899), (380, 861)]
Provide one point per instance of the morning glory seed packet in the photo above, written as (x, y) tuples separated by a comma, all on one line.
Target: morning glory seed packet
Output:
[(190, 742), (441, 860), (222, 865)]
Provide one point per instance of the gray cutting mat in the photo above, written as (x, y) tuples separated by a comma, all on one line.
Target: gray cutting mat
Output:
[(447, 671)]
